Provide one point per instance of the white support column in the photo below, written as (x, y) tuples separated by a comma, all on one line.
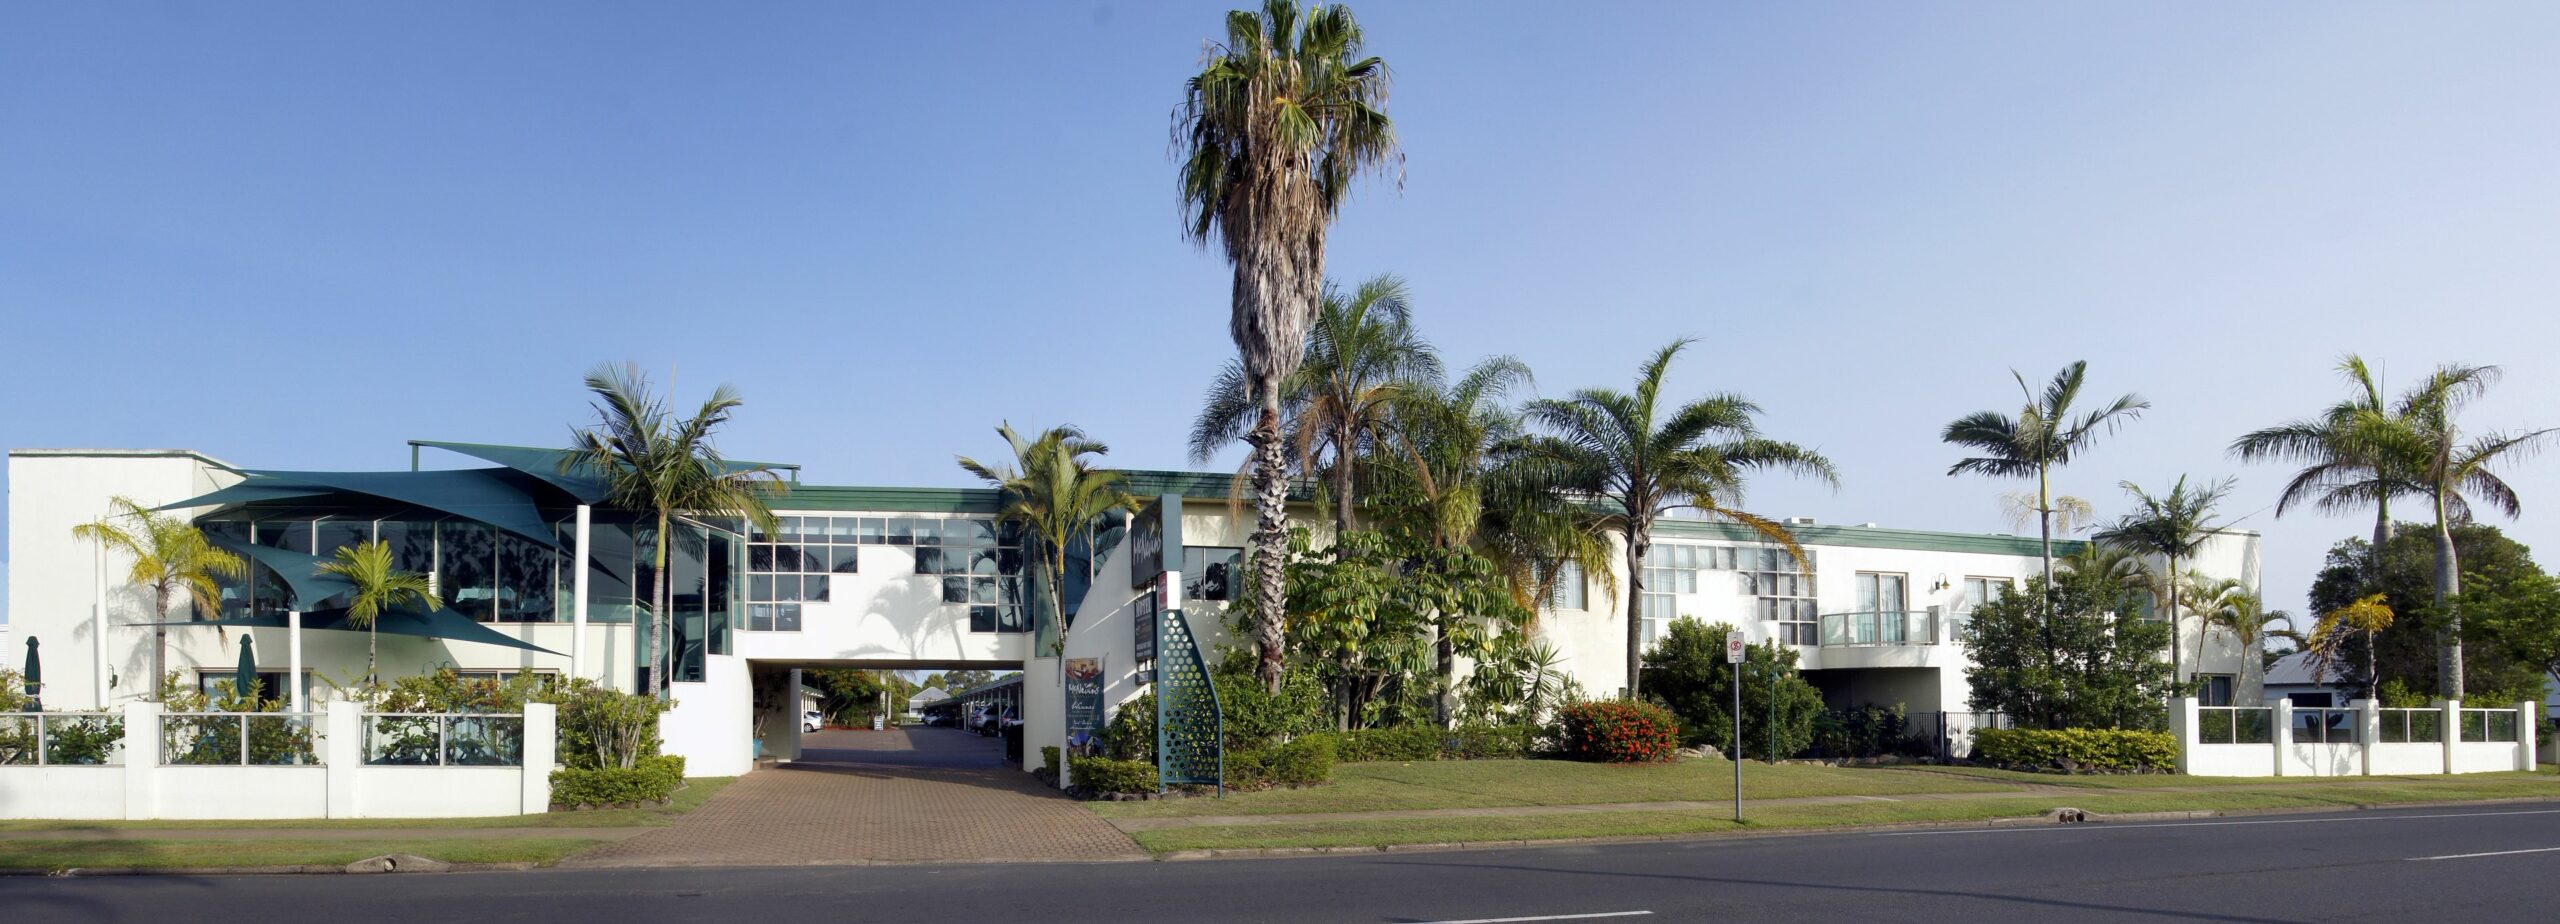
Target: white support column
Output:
[(2452, 732), (2281, 717), (2368, 732), (98, 631), (342, 751), (141, 760), (2525, 717), (293, 657), (2182, 723), (578, 597), (541, 743)]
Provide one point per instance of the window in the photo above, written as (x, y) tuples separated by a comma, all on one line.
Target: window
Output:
[(1571, 591), (1211, 572), (1785, 594), (270, 684), (1981, 590), (978, 561), (1882, 601), (2214, 689)]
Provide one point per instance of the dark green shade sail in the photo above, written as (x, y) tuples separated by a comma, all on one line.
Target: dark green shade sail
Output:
[(439, 624), (301, 572)]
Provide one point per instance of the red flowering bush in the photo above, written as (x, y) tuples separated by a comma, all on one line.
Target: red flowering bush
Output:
[(1617, 732)]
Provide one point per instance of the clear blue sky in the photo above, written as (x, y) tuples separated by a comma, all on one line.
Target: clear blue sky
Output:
[(296, 234)]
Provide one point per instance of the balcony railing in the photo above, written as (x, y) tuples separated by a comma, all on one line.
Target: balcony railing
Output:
[(1880, 629)]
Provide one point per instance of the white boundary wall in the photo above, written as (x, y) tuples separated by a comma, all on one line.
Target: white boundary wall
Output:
[(343, 786), (2366, 755)]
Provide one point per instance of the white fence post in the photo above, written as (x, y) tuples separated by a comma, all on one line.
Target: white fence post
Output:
[(541, 742), (2452, 731), (2368, 732), (2280, 731), (141, 760), (343, 755), (2525, 743), (2182, 723)]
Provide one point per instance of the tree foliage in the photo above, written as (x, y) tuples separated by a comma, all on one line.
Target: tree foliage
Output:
[(1686, 670), (2088, 662), (2495, 569)]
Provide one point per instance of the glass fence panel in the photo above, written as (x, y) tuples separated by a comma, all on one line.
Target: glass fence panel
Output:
[(2213, 726), (484, 741), (200, 739), (283, 739), (61, 739), (403, 740), (436, 740), (2326, 726)]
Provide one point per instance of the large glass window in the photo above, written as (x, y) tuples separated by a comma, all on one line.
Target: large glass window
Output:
[(466, 569), (1211, 572), (527, 580), (980, 565), (1784, 594), (1571, 591)]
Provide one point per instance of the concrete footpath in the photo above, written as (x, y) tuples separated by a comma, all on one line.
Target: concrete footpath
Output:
[(318, 834)]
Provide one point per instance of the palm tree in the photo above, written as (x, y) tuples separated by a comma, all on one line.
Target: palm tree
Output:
[(2421, 430), (1621, 452), (2043, 435), (1284, 114), (1362, 355), (2339, 472), (2175, 527), (1052, 491), (2367, 616), (2228, 604), (170, 556), (378, 586), (662, 466)]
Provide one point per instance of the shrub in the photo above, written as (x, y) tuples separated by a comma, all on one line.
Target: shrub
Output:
[(1867, 731), (653, 780), (1615, 731), (1103, 774), (1049, 761), (1307, 761), (605, 728), (1426, 742), (2076, 748), (1686, 670)]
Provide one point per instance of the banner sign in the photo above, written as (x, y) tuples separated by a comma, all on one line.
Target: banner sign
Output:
[(1144, 615), (1084, 704), (1155, 534)]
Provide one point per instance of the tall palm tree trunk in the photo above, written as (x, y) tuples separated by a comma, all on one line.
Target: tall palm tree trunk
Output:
[(2044, 533), (372, 650), (2448, 585), (1270, 536), (159, 635), (2177, 630), (1639, 538), (659, 624)]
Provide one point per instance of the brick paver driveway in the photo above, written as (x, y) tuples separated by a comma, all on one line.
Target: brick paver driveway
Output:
[(856, 797)]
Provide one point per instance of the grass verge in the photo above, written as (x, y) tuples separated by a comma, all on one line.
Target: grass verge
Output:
[(692, 796), (1372, 787), (31, 854)]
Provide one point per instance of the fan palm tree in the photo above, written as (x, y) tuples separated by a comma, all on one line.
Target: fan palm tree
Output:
[(1282, 117), (171, 557), (2339, 471), (662, 466), (2175, 527), (2421, 428), (1053, 492), (1622, 452), (2043, 435), (1362, 355), (378, 586)]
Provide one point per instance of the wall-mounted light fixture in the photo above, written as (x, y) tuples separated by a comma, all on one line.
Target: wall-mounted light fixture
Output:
[(1941, 585)]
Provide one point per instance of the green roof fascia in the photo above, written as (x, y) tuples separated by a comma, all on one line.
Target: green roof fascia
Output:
[(888, 500), (1871, 537)]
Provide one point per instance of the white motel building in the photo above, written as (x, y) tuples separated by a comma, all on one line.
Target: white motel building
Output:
[(538, 576)]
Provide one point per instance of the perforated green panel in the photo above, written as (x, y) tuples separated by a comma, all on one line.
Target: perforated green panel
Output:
[(1190, 728)]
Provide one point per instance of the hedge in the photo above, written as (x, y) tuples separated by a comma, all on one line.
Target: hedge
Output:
[(1618, 732), (1307, 761), (1426, 742), (2076, 748), (1103, 774), (651, 779)]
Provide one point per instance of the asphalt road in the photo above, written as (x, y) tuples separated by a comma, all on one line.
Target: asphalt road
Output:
[(2481, 863)]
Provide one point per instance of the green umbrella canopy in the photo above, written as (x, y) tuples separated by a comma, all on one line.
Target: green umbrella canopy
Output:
[(245, 682), (35, 675)]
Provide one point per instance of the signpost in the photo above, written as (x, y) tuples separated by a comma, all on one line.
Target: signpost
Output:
[(1733, 647)]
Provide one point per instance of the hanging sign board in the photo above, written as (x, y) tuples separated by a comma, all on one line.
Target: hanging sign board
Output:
[(1144, 616), (1084, 704), (1155, 541)]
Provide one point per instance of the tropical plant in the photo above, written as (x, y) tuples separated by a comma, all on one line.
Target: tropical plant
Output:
[(1282, 117), (1687, 672), (662, 466), (2229, 605), (2340, 472), (2497, 575), (2068, 658), (1053, 491), (2367, 617), (171, 557), (2450, 465), (1636, 460), (1366, 615), (378, 585), (2044, 434), (1362, 356), (2174, 526)]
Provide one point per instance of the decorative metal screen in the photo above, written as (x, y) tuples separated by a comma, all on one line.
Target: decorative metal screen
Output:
[(1189, 725)]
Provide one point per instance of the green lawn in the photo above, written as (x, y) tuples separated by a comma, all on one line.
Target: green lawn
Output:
[(2165, 781), (25, 854), (1488, 783), (691, 797), (1384, 832)]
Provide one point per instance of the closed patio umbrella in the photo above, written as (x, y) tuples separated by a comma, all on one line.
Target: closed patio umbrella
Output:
[(35, 677), (245, 682)]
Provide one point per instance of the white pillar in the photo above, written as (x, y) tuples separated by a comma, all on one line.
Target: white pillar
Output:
[(541, 741), (2526, 756), (293, 657), (342, 743), (578, 597), (2182, 723), (98, 630), (2368, 732), (2281, 733), (2452, 732), (141, 760)]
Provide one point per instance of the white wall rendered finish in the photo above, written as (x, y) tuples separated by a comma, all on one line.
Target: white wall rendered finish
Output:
[(2286, 757), (341, 787)]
